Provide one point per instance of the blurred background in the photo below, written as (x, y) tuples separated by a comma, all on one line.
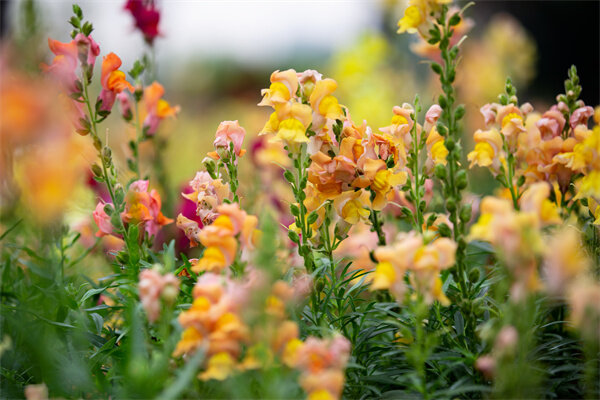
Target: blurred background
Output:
[(213, 57)]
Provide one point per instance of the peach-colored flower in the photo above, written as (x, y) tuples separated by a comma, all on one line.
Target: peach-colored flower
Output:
[(517, 237), (214, 321), (488, 150), (157, 108), (424, 261), (230, 132), (580, 116), (353, 206), (144, 207), (551, 124), (323, 102), (152, 287), (511, 120), (564, 260), (584, 302), (322, 362), (535, 200), (284, 85), (36, 392)]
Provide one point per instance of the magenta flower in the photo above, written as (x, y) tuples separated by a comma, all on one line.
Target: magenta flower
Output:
[(146, 17)]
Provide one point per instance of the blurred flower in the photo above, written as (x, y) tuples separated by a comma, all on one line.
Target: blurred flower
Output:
[(322, 363), (357, 248), (213, 322), (564, 260), (146, 17), (36, 392), (424, 261), (584, 302), (220, 367), (505, 49), (517, 237), (152, 287), (156, 107), (64, 65), (48, 176)]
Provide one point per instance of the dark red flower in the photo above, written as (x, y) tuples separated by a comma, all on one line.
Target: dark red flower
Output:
[(146, 17)]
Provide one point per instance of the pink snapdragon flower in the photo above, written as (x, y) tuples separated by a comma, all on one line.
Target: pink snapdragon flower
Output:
[(581, 116), (102, 219), (152, 287), (551, 124), (230, 132)]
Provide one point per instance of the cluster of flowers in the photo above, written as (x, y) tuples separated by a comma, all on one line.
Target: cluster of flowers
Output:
[(222, 219), (322, 363), (548, 164), (358, 170), (81, 52), (214, 321), (548, 147), (423, 262), (220, 318)]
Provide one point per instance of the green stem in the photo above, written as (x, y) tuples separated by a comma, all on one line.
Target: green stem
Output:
[(300, 185), (418, 216), (377, 226), (106, 177), (511, 174), (449, 57), (138, 140)]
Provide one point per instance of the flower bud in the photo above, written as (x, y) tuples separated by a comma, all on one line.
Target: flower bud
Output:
[(461, 179), (440, 171), (169, 294), (444, 230), (96, 170), (450, 204), (465, 213), (308, 88)]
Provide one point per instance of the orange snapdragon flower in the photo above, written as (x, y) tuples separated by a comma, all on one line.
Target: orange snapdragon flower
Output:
[(143, 207), (113, 81), (157, 108), (322, 362), (214, 323)]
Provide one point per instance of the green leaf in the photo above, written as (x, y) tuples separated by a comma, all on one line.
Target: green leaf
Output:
[(294, 237), (77, 11), (289, 176), (92, 292), (454, 19)]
